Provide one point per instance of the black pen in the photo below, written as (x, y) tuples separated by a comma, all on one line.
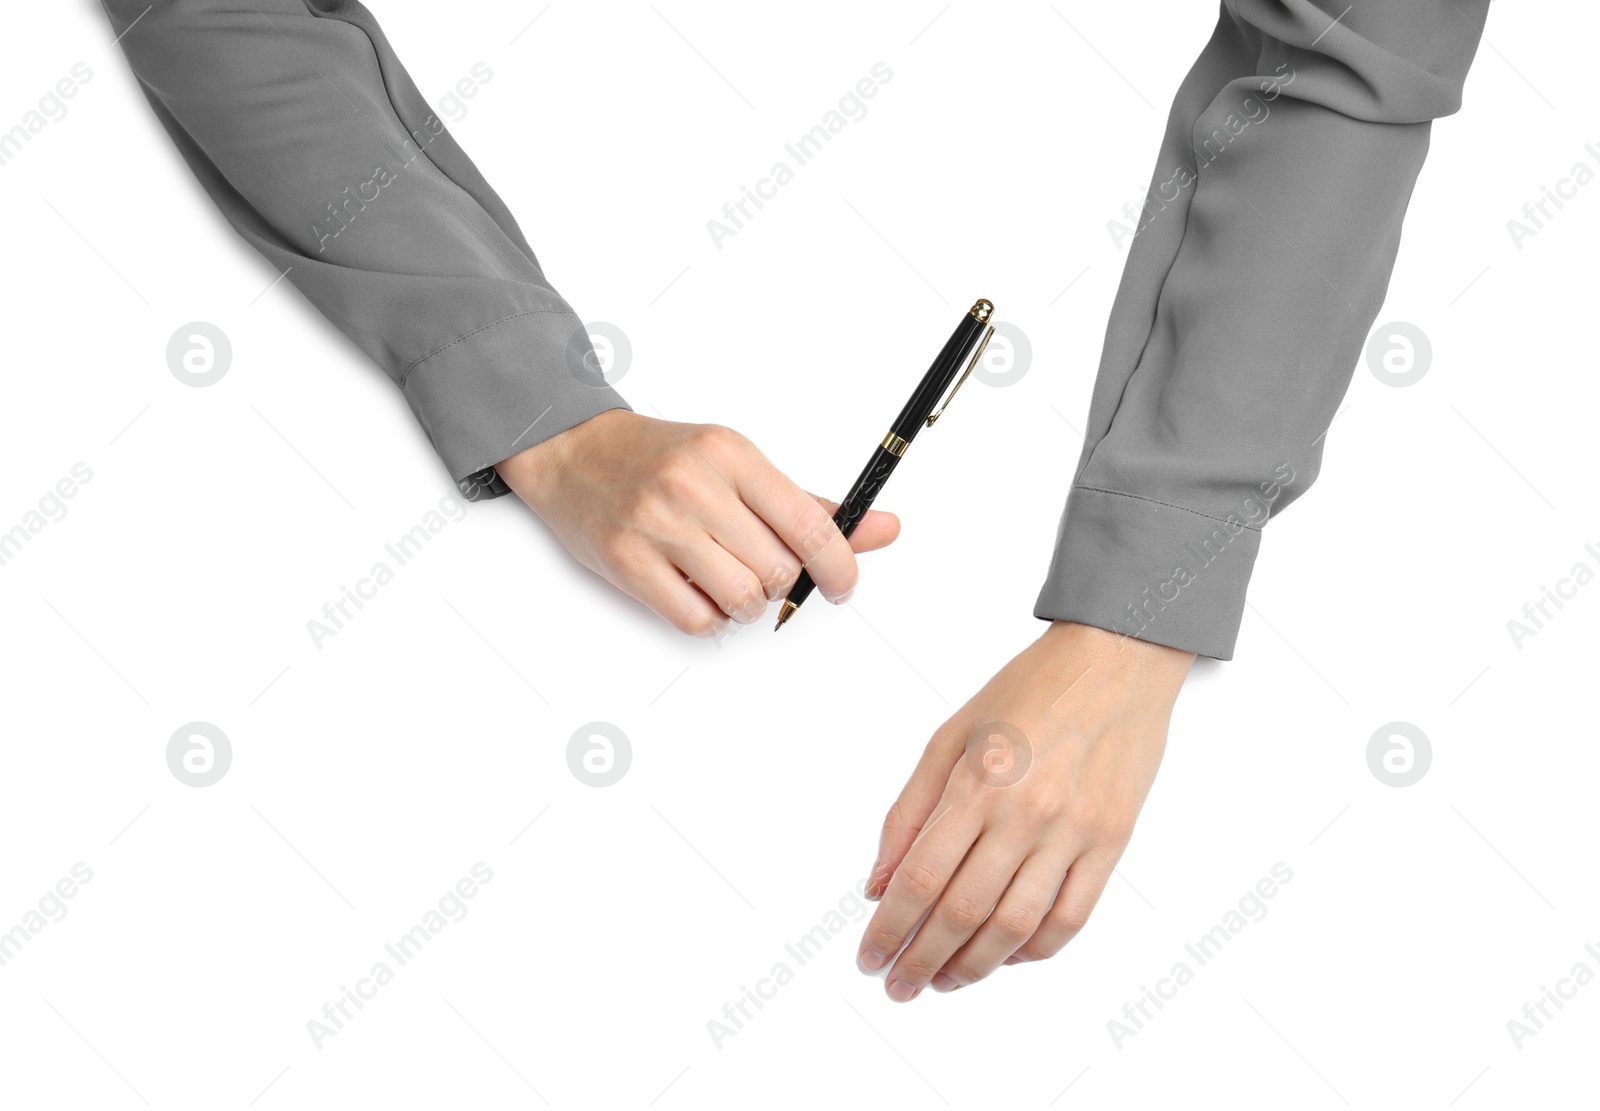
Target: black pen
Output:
[(972, 334)]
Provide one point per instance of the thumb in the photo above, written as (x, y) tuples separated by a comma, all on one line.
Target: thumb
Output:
[(911, 811), (876, 530)]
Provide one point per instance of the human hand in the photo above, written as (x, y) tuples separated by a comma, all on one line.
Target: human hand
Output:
[(1019, 808), (690, 519)]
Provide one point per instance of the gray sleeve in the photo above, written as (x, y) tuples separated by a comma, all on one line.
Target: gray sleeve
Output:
[(310, 136), (1263, 252)]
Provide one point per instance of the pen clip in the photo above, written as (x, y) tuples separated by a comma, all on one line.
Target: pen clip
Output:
[(976, 355)]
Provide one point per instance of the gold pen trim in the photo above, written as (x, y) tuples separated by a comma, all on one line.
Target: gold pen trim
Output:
[(894, 445)]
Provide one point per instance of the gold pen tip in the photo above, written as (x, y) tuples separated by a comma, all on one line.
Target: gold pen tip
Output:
[(786, 611)]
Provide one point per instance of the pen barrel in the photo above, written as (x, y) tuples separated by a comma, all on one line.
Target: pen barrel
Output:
[(865, 491)]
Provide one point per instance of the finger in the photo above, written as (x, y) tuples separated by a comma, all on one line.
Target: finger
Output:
[(803, 525), (748, 539), (919, 880), (661, 586), (729, 583), (913, 808), (976, 887), (1016, 918), (1085, 882), (877, 529)]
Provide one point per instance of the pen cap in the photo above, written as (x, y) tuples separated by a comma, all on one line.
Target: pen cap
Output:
[(981, 311), (972, 329)]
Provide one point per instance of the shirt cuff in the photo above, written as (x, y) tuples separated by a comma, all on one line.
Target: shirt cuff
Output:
[(503, 388), (1151, 571)]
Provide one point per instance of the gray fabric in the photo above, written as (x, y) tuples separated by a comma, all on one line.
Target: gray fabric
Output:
[(1263, 254), (308, 133), (1268, 237)]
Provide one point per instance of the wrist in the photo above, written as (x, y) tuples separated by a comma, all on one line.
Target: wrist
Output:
[(1117, 652), (532, 471)]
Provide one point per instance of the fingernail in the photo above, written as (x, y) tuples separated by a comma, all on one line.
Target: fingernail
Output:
[(902, 992), (944, 982), (872, 960), (1014, 960), (845, 597)]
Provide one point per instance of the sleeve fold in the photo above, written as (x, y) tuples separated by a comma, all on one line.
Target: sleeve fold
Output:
[(1261, 257), (302, 125)]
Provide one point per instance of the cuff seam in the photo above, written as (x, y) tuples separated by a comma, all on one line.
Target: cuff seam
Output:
[(1168, 505), (493, 324)]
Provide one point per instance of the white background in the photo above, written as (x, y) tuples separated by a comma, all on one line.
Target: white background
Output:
[(371, 774)]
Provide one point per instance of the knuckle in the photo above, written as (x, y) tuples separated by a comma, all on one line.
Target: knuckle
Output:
[(1016, 924), (618, 552), (749, 600), (962, 912), (715, 438), (897, 819), (917, 969), (1106, 829), (783, 576), (1074, 737), (1038, 808), (680, 476), (1073, 917), (1116, 829), (965, 783), (882, 940), (960, 971), (920, 882), (696, 622), (949, 738), (644, 509), (1087, 821)]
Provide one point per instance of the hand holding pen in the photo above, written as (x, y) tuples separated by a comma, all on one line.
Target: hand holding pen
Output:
[(971, 335)]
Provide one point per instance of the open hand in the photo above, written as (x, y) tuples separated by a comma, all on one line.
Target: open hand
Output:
[(1022, 803)]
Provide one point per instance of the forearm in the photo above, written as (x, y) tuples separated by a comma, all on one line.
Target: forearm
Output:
[(308, 133), (1263, 255)]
